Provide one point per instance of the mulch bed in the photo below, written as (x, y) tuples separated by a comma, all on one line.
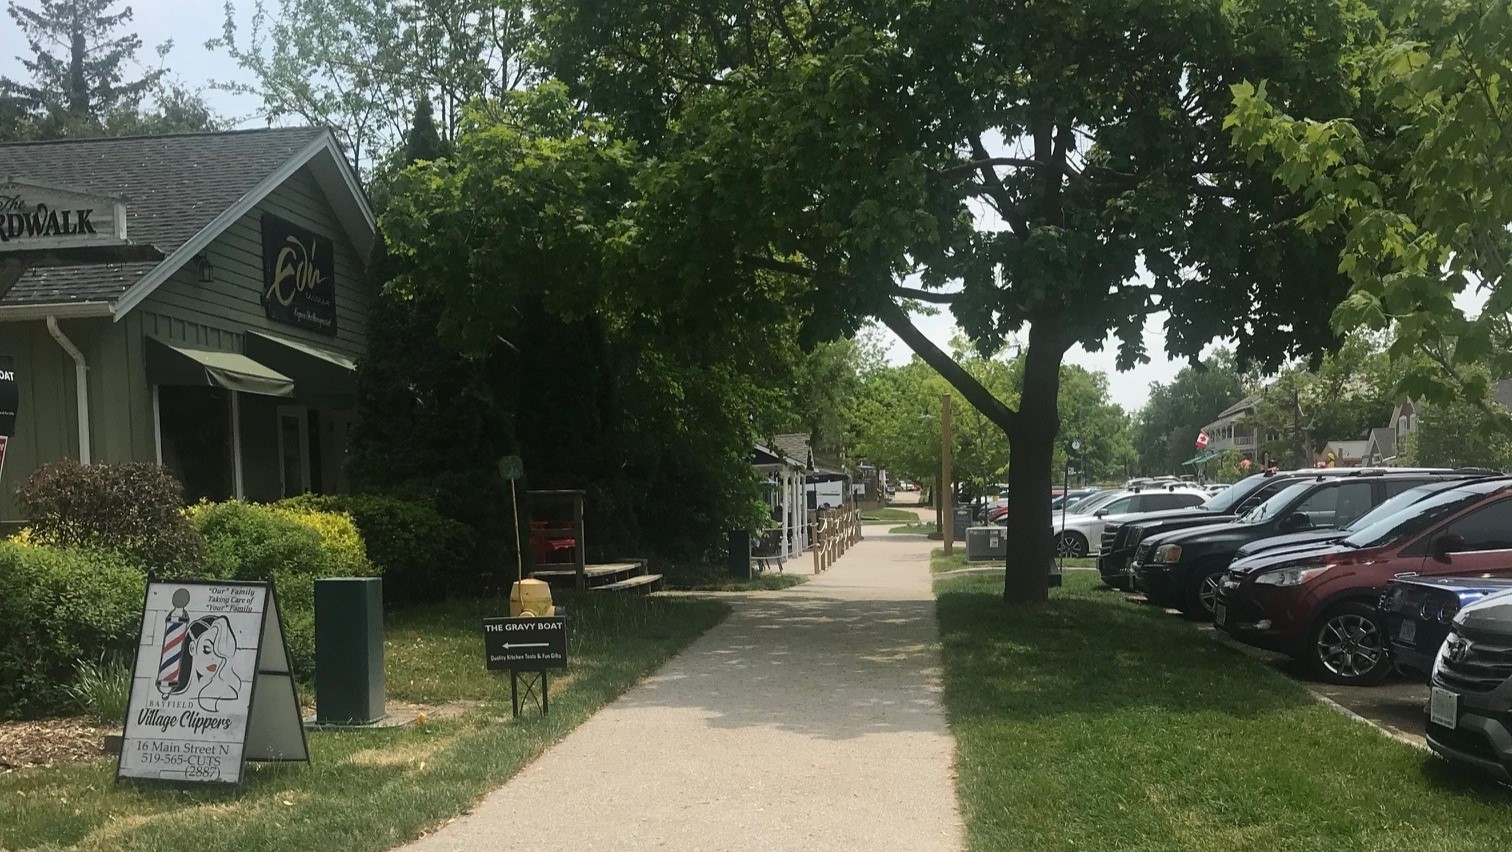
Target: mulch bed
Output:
[(49, 742)]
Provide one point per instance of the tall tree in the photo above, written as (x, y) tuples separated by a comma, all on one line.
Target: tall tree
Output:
[(78, 64), (1419, 181), (1175, 412), (357, 66), (848, 144)]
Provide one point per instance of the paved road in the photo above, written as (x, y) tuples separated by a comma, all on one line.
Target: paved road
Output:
[(810, 719)]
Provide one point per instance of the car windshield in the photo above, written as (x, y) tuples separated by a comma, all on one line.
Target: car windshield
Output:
[(1275, 505), (1414, 519), (1392, 506), (1095, 502), (1233, 495)]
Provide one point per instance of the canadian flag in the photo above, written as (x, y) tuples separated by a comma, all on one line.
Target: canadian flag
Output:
[(1202, 439)]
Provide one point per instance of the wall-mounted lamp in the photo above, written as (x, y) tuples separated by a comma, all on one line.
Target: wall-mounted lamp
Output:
[(206, 271)]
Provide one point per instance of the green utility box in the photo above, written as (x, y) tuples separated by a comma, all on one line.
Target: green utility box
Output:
[(349, 651)]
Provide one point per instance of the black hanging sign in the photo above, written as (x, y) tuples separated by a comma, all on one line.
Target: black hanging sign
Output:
[(10, 396), (299, 276)]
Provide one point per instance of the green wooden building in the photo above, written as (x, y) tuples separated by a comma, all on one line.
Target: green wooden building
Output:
[(232, 360)]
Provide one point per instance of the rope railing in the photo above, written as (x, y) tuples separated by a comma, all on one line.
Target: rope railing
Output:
[(835, 530)]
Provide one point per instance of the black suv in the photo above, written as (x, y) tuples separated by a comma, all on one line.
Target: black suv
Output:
[(1470, 704), (1123, 533), (1183, 568)]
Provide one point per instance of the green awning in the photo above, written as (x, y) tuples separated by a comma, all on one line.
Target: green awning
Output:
[(168, 364), (316, 371), (1204, 456)]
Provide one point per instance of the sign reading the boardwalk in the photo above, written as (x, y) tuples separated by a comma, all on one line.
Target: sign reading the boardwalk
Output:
[(299, 276), (210, 685), (36, 217), (525, 644)]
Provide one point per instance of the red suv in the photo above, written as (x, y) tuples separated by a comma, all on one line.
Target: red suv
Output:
[(1320, 605)]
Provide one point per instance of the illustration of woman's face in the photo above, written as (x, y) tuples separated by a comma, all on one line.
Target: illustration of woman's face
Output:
[(206, 661)]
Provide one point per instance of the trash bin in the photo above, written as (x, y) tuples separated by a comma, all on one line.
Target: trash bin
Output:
[(740, 554), (349, 650), (962, 521)]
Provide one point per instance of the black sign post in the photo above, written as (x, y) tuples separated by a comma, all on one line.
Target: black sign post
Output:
[(299, 276), (529, 647)]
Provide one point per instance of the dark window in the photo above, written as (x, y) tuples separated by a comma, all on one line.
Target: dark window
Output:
[(196, 432), (1396, 485), (1336, 504), (1488, 528)]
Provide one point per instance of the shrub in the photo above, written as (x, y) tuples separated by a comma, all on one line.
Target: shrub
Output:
[(102, 690), (339, 538), (246, 541), (59, 606), (423, 556), (134, 509)]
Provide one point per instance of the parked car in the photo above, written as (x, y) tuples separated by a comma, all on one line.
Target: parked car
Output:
[(1215, 489), (1416, 612), (1320, 605), (1470, 699), (997, 511), (1308, 539), (1183, 568), (1082, 531), (1122, 536)]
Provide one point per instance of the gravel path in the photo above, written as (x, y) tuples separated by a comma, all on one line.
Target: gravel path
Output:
[(809, 719)]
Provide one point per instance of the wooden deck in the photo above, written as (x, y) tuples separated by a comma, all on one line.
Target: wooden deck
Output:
[(604, 577)]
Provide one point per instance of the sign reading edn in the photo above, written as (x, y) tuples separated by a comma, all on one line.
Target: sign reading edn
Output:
[(37, 217), (525, 644), (299, 276), (211, 686)]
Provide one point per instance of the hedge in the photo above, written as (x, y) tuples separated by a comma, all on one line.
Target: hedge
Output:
[(423, 556), (59, 606), (248, 541)]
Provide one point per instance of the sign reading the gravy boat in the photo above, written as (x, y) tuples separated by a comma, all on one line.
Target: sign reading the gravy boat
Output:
[(211, 686), (299, 276), (36, 217)]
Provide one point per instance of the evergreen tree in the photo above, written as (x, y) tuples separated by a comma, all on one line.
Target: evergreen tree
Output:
[(78, 65)]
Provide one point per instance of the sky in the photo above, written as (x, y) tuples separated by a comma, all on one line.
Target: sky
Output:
[(161, 20)]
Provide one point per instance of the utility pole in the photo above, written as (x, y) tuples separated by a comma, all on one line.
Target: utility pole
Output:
[(947, 486)]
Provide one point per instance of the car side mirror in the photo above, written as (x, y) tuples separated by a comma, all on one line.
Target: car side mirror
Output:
[(1448, 543), (1101, 513), (1295, 522)]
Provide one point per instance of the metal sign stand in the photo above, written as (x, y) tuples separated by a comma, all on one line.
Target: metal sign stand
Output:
[(532, 681)]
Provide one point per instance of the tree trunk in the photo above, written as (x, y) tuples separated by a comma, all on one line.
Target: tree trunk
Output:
[(1031, 453)]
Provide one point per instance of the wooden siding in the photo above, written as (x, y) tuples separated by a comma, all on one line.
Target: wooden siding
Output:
[(214, 315)]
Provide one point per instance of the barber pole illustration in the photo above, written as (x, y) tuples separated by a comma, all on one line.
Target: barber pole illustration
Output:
[(171, 669), (4, 441), (1202, 439)]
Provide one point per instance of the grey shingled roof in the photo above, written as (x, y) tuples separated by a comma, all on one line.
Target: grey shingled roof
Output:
[(794, 445), (173, 187), (1384, 438)]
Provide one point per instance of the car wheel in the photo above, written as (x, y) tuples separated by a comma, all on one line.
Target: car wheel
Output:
[(1202, 598), (1349, 646), (1071, 545)]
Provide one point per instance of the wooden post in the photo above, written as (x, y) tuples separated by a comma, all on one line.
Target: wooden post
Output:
[(947, 514), (580, 553)]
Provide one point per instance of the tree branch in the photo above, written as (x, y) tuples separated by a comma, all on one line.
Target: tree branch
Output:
[(894, 317), (999, 194), (928, 295), (988, 162), (774, 265)]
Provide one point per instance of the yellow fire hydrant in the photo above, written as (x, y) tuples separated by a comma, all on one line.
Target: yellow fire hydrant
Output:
[(530, 599)]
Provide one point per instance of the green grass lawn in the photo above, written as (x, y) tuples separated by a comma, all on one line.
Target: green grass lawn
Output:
[(1095, 724), (888, 516), (939, 562), (914, 529), (369, 789)]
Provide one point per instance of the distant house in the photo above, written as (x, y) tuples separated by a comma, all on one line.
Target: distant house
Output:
[(1404, 421), (1381, 447), (787, 535), (1344, 453)]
